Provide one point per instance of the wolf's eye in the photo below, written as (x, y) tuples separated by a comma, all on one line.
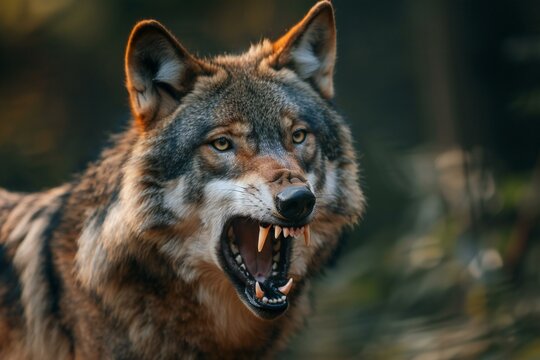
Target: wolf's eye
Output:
[(299, 136), (222, 144)]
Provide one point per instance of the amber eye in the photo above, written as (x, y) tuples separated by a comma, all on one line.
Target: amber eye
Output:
[(222, 144), (299, 136)]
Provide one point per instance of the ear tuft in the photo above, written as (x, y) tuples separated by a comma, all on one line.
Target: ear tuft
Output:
[(159, 71), (309, 48)]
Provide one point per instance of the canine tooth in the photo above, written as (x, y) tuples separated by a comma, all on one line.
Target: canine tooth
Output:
[(263, 233), (277, 231), (238, 259), (307, 235), (265, 300), (287, 287), (259, 293), (285, 232)]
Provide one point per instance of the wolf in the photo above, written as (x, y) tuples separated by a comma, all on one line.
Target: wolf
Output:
[(197, 232)]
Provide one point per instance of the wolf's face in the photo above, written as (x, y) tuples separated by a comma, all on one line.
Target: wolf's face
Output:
[(242, 159)]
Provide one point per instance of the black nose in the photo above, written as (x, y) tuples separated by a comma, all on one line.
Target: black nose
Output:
[(295, 202)]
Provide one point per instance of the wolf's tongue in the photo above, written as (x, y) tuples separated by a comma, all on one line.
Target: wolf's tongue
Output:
[(259, 264)]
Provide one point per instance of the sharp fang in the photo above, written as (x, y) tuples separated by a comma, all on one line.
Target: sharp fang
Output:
[(286, 288), (259, 293), (307, 235), (277, 231), (285, 232), (263, 233)]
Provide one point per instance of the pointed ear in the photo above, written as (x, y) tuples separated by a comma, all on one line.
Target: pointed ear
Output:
[(159, 72), (309, 48)]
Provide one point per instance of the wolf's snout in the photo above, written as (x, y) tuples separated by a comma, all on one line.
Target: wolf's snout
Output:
[(295, 202)]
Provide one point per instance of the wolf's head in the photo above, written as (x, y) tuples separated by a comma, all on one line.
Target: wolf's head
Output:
[(242, 172)]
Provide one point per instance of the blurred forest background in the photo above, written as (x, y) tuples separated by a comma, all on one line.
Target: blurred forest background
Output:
[(443, 97)]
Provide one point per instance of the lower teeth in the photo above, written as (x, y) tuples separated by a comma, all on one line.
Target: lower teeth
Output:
[(274, 301)]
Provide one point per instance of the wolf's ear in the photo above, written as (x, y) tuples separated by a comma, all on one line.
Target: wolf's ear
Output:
[(159, 71), (309, 48)]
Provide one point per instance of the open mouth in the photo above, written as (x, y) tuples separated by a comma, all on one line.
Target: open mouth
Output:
[(256, 256)]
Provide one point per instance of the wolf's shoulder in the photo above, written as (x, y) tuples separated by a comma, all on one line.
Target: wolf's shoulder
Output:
[(8, 200), (19, 211)]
